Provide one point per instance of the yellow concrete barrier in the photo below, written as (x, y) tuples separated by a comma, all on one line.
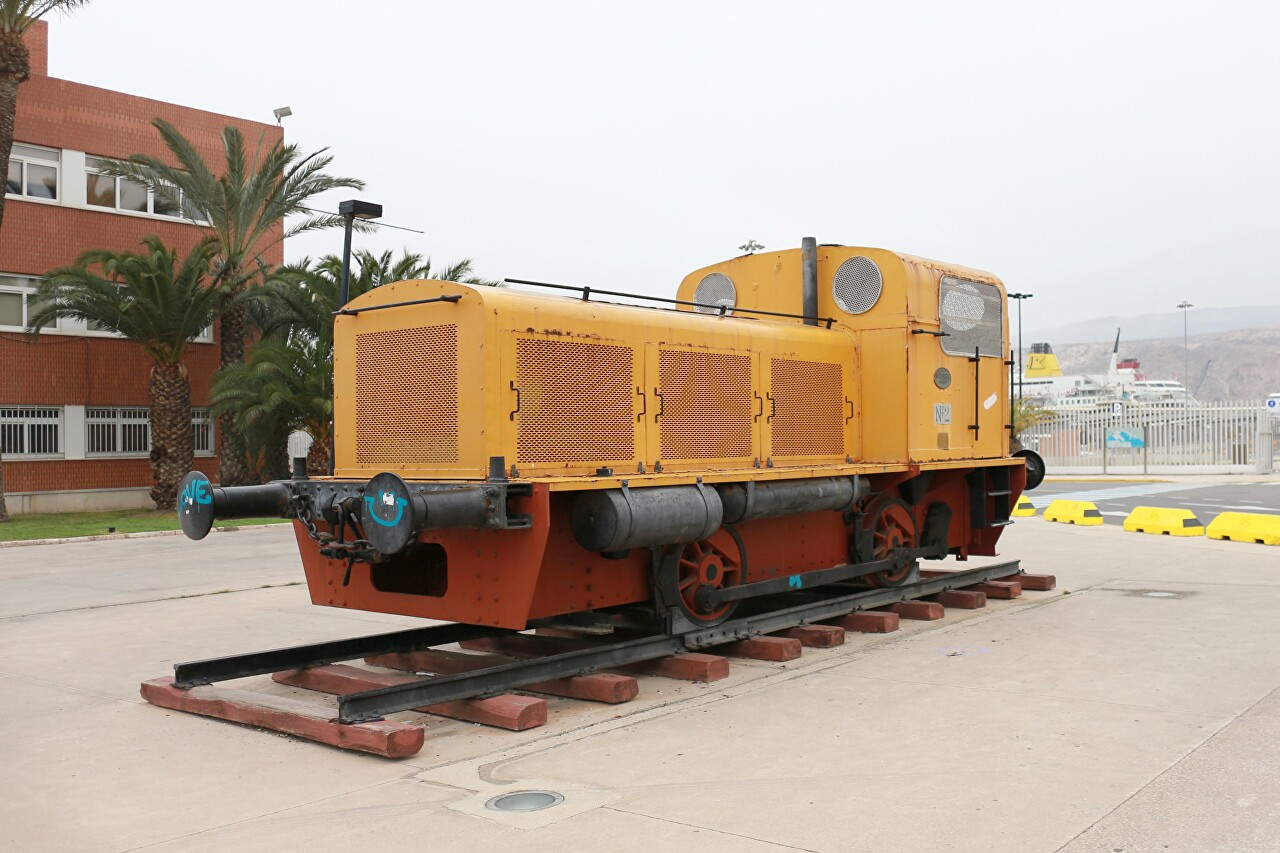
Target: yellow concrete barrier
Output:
[(1163, 521), (1246, 527), (1024, 508), (1083, 513)]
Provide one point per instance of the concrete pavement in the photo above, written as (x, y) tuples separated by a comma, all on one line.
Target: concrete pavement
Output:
[(1095, 717)]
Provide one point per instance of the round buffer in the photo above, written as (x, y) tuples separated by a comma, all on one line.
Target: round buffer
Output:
[(392, 514), (195, 505)]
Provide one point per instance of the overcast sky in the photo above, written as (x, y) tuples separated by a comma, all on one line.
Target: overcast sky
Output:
[(1110, 157)]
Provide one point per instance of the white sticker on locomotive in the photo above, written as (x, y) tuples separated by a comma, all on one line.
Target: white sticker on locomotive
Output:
[(942, 413), (989, 402)]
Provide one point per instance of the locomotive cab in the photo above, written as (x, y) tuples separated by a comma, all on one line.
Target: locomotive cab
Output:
[(930, 337)]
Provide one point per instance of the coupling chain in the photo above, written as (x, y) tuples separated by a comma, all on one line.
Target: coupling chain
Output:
[(334, 547)]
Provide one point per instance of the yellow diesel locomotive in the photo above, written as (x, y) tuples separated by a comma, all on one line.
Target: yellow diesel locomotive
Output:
[(827, 414)]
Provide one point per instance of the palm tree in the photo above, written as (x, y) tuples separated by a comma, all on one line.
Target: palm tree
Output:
[(1027, 414), (300, 298), (159, 304), (286, 385), (243, 210), (16, 17)]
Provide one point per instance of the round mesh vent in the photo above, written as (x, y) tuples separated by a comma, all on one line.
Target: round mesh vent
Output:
[(715, 289), (857, 285), (962, 307)]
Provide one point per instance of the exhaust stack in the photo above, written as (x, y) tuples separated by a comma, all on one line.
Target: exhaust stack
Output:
[(809, 280)]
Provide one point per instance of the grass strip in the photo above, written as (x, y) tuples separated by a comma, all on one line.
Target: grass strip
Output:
[(64, 525)]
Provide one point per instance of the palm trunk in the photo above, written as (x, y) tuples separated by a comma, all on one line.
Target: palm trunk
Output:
[(15, 66), (4, 510), (233, 462), (318, 458), (172, 440), (277, 465)]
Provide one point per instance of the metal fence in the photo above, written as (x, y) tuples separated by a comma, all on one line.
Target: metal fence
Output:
[(1132, 438)]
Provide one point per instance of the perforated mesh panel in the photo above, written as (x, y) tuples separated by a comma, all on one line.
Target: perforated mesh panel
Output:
[(715, 289), (857, 285), (707, 405), (407, 396), (809, 408), (972, 316), (575, 402)]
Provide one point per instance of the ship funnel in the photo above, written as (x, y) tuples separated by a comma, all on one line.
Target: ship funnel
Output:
[(1041, 363)]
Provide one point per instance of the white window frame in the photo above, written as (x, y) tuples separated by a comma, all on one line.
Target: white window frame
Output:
[(185, 213), (114, 420), (101, 421), (203, 426), (25, 287), (35, 425), (26, 153)]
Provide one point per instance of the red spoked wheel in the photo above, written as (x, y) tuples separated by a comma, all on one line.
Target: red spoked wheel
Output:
[(892, 525), (715, 563)]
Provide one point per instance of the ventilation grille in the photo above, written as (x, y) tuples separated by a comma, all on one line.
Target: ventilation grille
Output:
[(407, 397), (857, 285), (706, 405), (971, 315), (715, 289), (576, 402), (809, 408)]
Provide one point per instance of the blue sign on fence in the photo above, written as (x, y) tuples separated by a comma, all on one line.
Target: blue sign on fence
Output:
[(1126, 438)]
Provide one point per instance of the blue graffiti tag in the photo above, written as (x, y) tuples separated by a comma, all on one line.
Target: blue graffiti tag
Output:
[(795, 582), (196, 493), (401, 503)]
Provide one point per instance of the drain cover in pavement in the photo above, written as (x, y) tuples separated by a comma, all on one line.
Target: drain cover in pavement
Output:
[(525, 801)]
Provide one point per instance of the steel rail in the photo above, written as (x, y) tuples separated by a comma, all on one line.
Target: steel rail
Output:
[(186, 675), (815, 611), (373, 704)]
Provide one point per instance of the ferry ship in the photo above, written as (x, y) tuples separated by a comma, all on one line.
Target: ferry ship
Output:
[(1043, 381)]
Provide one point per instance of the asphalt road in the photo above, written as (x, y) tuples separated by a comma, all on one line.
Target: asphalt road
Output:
[(1116, 500)]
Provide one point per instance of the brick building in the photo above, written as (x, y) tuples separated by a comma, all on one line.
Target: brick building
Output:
[(73, 406)]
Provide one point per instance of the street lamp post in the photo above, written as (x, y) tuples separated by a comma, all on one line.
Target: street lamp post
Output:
[(1186, 353), (1020, 297), (350, 211)]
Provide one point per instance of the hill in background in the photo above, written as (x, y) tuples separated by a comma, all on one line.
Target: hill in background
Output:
[(1201, 321), (1243, 364)]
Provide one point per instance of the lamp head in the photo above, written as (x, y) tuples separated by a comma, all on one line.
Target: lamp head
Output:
[(281, 112), (360, 209)]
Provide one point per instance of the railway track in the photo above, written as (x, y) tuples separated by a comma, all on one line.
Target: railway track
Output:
[(588, 663)]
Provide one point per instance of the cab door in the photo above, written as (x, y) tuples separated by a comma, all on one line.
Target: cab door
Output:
[(959, 376)]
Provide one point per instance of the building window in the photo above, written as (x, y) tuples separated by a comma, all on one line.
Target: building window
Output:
[(123, 194), (127, 432), (117, 432), (202, 429), (33, 171), (30, 431), (18, 302)]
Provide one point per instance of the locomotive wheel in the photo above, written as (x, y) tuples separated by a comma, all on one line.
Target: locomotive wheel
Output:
[(892, 525), (709, 564)]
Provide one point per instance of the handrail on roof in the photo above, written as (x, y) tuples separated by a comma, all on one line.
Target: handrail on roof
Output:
[(723, 310)]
